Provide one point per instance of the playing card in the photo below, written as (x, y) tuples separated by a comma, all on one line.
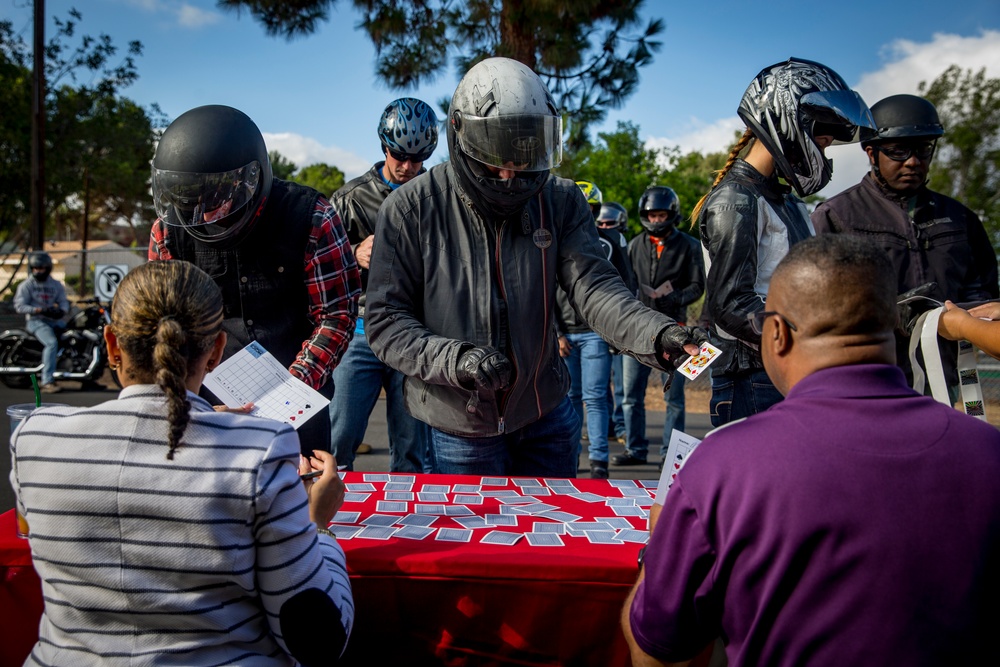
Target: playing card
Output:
[(501, 537), (694, 366)]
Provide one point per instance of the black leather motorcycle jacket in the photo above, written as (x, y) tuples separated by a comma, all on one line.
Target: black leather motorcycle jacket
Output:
[(680, 262), (747, 225), (616, 251)]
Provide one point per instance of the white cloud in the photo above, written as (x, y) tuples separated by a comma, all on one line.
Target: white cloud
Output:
[(702, 137), (187, 15), (303, 151), (190, 16)]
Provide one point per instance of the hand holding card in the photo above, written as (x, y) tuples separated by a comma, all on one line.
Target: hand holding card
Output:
[(696, 364)]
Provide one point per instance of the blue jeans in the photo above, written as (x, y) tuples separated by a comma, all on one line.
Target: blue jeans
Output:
[(616, 397), (589, 364), (735, 396), (636, 377), (49, 338), (357, 381), (544, 448)]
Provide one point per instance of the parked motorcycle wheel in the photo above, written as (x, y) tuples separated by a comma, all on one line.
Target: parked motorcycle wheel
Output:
[(12, 381)]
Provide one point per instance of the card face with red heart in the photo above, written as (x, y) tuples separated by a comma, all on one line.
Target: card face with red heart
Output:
[(696, 365)]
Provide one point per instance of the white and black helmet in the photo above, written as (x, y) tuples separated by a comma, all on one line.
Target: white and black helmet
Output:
[(408, 129), (789, 104), (502, 116)]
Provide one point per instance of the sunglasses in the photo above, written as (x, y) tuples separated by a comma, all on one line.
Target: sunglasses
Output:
[(903, 152), (757, 320), (404, 157)]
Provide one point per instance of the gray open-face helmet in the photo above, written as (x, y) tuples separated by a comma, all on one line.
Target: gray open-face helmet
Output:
[(789, 104), (615, 213), (211, 174), (503, 117)]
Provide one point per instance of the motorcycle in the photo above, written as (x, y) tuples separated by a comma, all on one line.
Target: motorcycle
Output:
[(83, 355)]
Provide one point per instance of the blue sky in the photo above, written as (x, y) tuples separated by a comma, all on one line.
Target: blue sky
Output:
[(316, 98)]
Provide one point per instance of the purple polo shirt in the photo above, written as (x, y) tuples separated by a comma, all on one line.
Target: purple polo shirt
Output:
[(854, 523)]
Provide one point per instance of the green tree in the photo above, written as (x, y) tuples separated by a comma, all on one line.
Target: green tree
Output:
[(98, 144), (281, 167), (621, 165), (325, 178), (588, 52), (967, 164)]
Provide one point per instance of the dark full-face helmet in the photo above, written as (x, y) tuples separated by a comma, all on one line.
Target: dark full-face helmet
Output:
[(503, 117), (40, 264), (788, 105), (659, 198), (408, 130), (593, 194), (613, 215), (211, 174)]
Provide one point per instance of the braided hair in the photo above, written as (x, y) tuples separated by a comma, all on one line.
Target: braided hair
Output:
[(166, 315), (719, 175)]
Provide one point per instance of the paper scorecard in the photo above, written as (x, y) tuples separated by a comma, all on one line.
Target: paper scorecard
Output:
[(678, 450), (664, 289), (253, 375)]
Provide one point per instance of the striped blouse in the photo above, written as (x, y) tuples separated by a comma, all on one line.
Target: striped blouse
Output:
[(209, 559)]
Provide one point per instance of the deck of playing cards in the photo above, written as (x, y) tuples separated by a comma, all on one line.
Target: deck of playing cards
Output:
[(694, 366)]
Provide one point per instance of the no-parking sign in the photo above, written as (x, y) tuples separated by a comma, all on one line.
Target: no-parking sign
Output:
[(106, 279)]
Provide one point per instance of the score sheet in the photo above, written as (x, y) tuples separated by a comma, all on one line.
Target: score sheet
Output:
[(253, 375)]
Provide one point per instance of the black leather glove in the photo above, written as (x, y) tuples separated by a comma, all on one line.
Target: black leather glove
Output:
[(484, 368), (672, 340), (910, 304), (668, 302), (54, 312)]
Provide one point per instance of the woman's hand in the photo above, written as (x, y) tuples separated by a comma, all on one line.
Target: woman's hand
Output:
[(326, 492), (953, 322), (989, 311), (242, 410)]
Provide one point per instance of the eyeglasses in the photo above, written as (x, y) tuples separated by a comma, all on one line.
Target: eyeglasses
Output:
[(607, 223), (404, 157), (757, 320), (903, 152)]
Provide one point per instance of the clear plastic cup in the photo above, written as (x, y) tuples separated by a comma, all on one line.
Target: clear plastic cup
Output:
[(17, 413)]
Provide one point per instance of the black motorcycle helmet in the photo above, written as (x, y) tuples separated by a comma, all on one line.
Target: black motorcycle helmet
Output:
[(211, 174), (901, 118), (659, 198), (40, 264), (502, 115)]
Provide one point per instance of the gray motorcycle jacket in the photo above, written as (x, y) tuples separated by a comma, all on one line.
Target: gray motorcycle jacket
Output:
[(444, 278)]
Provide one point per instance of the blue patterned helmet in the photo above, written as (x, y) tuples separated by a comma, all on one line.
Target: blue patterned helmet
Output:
[(408, 129)]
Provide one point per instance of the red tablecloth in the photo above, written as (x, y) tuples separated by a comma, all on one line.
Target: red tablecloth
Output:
[(428, 601), (475, 603), (20, 595)]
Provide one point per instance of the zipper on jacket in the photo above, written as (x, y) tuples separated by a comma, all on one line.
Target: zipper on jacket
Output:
[(502, 394)]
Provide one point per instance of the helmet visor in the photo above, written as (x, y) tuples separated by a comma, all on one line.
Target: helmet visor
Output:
[(194, 199), (520, 142), (841, 114)]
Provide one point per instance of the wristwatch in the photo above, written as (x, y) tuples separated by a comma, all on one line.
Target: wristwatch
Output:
[(325, 531), (642, 555)]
